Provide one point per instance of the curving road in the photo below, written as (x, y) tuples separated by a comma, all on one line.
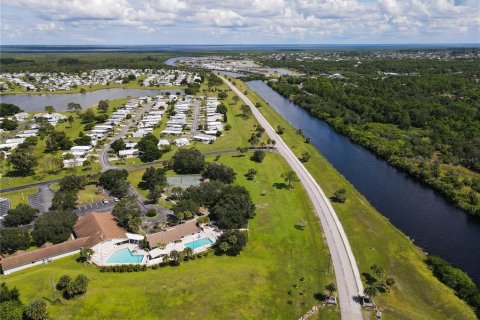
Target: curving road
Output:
[(347, 274)]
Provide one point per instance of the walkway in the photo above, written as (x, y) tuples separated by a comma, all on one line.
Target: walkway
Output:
[(347, 275)]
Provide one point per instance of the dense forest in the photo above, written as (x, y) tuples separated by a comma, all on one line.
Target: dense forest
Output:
[(422, 115), (80, 62)]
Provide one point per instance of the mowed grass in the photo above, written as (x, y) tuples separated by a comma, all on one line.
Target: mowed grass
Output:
[(19, 196), (89, 194), (253, 285), (374, 240)]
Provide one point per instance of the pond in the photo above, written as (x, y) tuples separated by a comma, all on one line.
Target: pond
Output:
[(37, 103)]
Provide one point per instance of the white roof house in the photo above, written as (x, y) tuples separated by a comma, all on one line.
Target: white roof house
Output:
[(181, 142), (22, 116), (163, 142), (128, 152), (51, 116), (204, 138), (130, 145), (173, 131), (15, 140), (74, 162), (80, 148)]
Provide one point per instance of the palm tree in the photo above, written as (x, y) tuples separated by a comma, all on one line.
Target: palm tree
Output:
[(71, 120), (86, 254), (166, 259), (331, 288), (378, 271), (177, 191), (371, 291), (289, 177), (175, 256), (188, 253), (224, 246)]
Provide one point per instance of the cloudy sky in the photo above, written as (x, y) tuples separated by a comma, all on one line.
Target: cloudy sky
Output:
[(239, 21)]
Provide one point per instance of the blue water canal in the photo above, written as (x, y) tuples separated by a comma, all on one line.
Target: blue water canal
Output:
[(421, 213)]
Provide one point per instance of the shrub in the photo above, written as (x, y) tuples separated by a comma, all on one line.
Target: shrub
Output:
[(124, 268), (151, 213), (63, 282), (258, 156), (340, 196)]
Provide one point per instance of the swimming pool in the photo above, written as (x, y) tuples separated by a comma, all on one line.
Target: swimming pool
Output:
[(198, 243), (125, 256)]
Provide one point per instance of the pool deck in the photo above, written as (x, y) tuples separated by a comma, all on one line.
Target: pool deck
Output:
[(104, 251)]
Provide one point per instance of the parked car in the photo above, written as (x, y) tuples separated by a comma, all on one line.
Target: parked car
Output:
[(115, 199), (105, 201)]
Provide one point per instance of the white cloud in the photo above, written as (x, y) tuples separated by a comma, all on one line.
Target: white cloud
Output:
[(48, 26), (313, 20)]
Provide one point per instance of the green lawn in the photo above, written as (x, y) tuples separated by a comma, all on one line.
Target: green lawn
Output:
[(374, 240), (253, 285), (18, 197), (89, 195)]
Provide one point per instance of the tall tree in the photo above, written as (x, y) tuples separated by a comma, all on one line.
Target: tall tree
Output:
[(13, 239), (21, 215), (103, 105), (127, 212), (23, 161), (289, 177), (188, 161), (74, 107)]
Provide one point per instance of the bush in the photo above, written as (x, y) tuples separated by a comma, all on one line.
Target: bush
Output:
[(124, 268), (231, 242), (456, 279), (340, 196), (36, 310), (151, 213), (258, 156), (301, 225), (63, 283)]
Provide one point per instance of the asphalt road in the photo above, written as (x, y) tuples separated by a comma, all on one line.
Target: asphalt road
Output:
[(196, 116), (347, 274), (120, 134)]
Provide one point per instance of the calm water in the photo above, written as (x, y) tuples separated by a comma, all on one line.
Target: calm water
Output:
[(207, 47), (31, 102), (414, 208)]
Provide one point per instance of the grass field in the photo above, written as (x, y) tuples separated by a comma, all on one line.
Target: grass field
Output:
[(89, 195), (253, 285), (374, 240), (18, 197)]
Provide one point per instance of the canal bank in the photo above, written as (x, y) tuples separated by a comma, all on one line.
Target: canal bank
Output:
[(420, 212), (374, 240)]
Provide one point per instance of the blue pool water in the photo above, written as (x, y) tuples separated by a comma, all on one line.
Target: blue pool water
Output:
[(199, 243), (125, 256)]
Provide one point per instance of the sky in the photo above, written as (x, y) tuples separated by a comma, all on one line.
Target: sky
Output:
[(156, 22)]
